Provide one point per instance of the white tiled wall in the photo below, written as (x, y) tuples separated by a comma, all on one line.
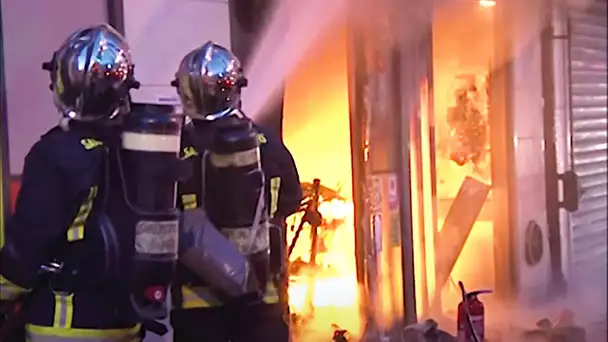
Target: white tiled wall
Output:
[(528, 141)]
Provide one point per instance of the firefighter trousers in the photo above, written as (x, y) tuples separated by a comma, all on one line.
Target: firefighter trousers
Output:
[(258, 322)]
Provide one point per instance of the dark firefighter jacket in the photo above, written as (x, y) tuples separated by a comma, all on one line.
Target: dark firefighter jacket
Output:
[(55, 218), (283, 196)]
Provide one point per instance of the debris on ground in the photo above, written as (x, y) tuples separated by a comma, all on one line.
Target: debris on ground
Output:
[(427, 331), (340, 335), (562, 330)]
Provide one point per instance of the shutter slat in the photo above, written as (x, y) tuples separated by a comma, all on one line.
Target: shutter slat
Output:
[(594, 179), (588, 85)]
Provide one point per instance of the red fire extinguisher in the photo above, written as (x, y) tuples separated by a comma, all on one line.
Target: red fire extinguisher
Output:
[(471, 316)]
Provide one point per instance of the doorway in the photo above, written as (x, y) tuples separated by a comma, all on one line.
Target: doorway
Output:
[(452, 158)]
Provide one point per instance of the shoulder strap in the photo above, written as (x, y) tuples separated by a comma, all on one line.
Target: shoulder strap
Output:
[(257, 227)]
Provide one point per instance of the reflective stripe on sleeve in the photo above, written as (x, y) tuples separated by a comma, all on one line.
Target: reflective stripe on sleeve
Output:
[(37, 333), (275, 186), (64, 310), (76, 230), (10, 291)]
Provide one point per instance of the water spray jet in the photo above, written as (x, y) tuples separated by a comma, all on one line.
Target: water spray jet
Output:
[(290, 34)]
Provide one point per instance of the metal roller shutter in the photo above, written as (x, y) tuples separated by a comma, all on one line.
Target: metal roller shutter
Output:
[(589, 138)]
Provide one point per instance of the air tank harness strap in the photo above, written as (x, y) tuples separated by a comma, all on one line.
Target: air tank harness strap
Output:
[(177, 297), (155, 327)]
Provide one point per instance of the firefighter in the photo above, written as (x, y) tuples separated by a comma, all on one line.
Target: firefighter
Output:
[(58, 251), (209, 82)]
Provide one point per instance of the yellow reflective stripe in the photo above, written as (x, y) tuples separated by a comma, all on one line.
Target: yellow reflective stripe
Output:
[(201, 297), (75, 233), (189, 152), (189, 201), (272, 294), (198, 297), (76, 229), (64, 310), (10, 291), (37, 333), (237, 159), (90, 143), (275, 186)]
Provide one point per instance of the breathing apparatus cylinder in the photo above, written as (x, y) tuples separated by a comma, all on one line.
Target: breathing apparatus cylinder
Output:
[(150, 171), (235, 181)]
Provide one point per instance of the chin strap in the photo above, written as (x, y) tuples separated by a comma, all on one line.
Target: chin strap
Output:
[(64, 124), (238, 113)]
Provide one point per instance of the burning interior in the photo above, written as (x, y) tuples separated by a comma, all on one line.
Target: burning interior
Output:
[(449, 147), (323, 288), (452, 141)]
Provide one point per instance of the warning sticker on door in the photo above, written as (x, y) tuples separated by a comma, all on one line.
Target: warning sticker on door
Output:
[(395, 232), (377, 231), (375, 193), (393, 193)]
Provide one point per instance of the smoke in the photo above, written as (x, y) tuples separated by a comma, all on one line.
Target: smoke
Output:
[(293, 30), (295, 26), (579, 4), (291, 33)]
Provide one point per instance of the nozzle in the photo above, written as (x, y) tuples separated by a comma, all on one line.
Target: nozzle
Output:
[(478, 292), (472, 294)]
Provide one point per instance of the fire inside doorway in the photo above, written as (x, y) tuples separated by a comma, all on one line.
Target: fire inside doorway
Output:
[(324, 292), (323, 288)]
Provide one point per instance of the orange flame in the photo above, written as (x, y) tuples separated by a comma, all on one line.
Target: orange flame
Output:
[(316, 130)]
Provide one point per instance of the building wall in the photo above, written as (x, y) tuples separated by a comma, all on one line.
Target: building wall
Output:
[(528, 142), (33, 29), (161, 32)]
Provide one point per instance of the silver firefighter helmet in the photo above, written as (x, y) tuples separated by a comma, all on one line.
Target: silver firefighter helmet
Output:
[(209, 81), (91, 74)]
